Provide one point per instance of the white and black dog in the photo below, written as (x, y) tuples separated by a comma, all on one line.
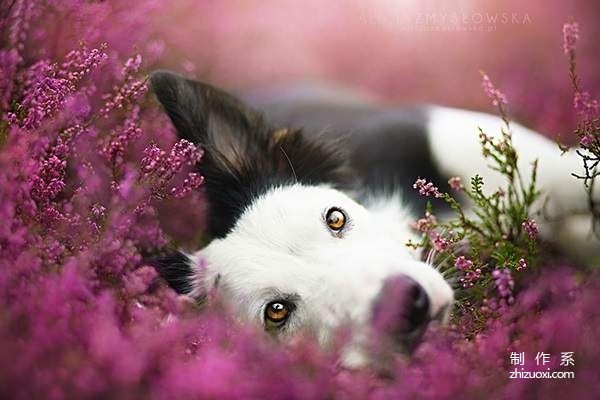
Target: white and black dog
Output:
[(310, 224)]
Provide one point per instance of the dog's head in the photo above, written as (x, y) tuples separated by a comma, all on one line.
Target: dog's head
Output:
[(292, 251)]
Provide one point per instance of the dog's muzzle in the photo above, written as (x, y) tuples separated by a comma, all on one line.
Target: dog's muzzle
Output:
[(401, 313)]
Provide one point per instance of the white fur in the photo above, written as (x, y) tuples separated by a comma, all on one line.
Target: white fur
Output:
[(282, 245)]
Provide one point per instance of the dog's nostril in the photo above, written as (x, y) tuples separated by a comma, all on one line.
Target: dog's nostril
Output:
[(418, 312), (402, 307)]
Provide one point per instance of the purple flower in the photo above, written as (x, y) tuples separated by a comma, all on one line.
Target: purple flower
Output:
[(47, 86), (456, 183), (438, 242), (159, 168), (192, 182), (463, 264), (469, 277), (425, 224), (498, 98), (426, 189), (468, 274), (587, 140), (531, 228), (570, 36), (504, 284), (118, 140), (128, 91), (586, 106)]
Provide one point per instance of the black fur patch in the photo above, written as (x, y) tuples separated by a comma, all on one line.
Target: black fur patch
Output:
[(388, 146), (175, 268), (244, 156)]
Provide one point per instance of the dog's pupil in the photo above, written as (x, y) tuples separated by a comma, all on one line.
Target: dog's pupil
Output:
[(335, 219), (277, 311)]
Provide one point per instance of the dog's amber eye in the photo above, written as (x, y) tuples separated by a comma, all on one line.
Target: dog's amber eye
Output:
[(277, 312), (336, 219)]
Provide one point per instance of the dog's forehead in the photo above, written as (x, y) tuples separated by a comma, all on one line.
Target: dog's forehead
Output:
[(292, 207)]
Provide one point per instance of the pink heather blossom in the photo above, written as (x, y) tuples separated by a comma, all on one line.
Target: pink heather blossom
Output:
[(531, 228), (425, 224), (504, 284), (159, 168), (426, 189), (470, 277), (455, 183), (47, 86), (192, 182), (521, 264), (586, 106), (463, 264), (438, 242), (132, 66), (570, 36), (128, 90), (118, 140), (498, 98), (587, 140)]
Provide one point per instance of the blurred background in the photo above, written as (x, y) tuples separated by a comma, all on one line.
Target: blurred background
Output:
[(402, 51)]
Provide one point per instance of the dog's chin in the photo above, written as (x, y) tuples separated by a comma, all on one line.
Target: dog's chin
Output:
[(382, 352)]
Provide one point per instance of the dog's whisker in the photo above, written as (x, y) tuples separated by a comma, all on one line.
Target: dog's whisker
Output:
[(290, 163), (430, 256)]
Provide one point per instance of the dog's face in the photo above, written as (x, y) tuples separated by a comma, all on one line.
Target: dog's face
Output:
[(291, 250)]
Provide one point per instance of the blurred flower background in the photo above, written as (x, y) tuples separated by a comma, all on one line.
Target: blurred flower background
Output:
[(87, 160), (404, 51)]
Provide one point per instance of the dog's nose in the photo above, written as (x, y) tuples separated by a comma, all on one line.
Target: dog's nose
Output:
[(402, 307), (418, 307)]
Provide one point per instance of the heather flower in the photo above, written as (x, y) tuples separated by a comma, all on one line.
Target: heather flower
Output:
[(463, 264), (192, 182), (470, 277), (426, 189), (153, 158), (118, 140), (456, 183), (468, 274), (585, 105), (438, 242), (425, 224), (98, 211), (48, 181), (128, 91), (586, 140), (570, 36), (531, 228), (504, 284), (498, 98), (521, 264), (47, 86), (159, 168)]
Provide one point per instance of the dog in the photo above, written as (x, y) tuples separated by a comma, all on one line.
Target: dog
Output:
[(310, 204)]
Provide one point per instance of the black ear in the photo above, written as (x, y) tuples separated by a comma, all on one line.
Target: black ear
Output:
[(244, 156), (205, 115), (176, 268)]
